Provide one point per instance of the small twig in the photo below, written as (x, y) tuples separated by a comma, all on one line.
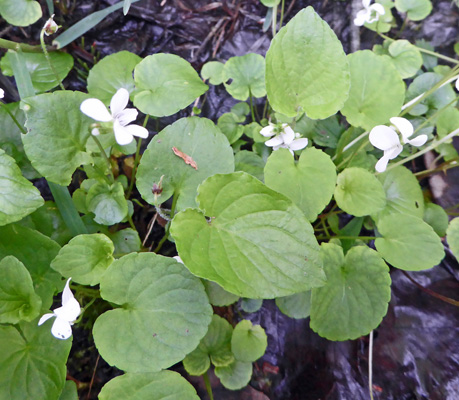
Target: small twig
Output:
[(432, 293), (370, 366), (150, 228), (92, 378)]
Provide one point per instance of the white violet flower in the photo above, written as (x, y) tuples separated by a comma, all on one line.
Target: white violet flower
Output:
[(386, 138), (2, 93), (119, 115), (285, 138), (369, 13), (65, 315)]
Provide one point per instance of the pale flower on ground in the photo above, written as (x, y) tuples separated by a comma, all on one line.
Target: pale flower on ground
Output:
[(118, 114), (2, 93), (65, 315), (369, 13), (285, 138), (386, 139)]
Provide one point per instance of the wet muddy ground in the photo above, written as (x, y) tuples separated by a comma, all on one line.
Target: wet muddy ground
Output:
[(416, 348)]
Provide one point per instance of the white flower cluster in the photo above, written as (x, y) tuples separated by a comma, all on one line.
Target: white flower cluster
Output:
[(387, 139), (369, 14), (119, 115), (284, 137), (65, 315)]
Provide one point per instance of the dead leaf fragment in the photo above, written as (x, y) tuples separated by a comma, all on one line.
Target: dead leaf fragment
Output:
[(185, 157)]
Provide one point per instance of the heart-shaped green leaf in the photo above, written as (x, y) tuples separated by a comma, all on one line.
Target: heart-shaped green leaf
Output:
[(165, 313), (406, 58), (355, 298), (453, 236), (248, 342), (107, 202), (234, 376), (403, 193), (165, 84), (18, 300), (56, 140), (43, 77), (309, 183), (20, 12), (10, 138), (36, 256), (377, 90), (217, 295), (408, 242), (306, 68), (247, 75), (32, 362), (112, 73), (215, 347), (18, 196), (417, 10), (248, 238), (250, 162), (358, 192), (440, 98), (296, 305), (213, 70), (437, 218), (149, 386), (197, 138), (85, 258)]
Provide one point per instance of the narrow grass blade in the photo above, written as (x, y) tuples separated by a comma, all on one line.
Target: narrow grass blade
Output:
[(67, 209), (81, 27)]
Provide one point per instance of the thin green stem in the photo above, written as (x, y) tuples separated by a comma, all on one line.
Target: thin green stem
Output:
[(45, 52), (282, 14), (347, 237), (442, 168), (131, 223), (251, 106), (265, 108), (166, 234), (134, 169), (274, 20), (438, 55), (205, 376), (429, 52), (350, 144), (435, 115), (26, 48), (20, 127), (448, 78), (104, 155), (425, 150)]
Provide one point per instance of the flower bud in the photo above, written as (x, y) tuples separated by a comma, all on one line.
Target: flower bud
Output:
[(50, 27)]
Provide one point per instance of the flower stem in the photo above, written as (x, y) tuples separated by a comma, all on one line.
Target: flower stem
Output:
[(45, 52), (26, 48), (282, 14), (104, 155), (274, 20), (166, 234), (251, 106), (429, 52), (205, 376), (134, 169)]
